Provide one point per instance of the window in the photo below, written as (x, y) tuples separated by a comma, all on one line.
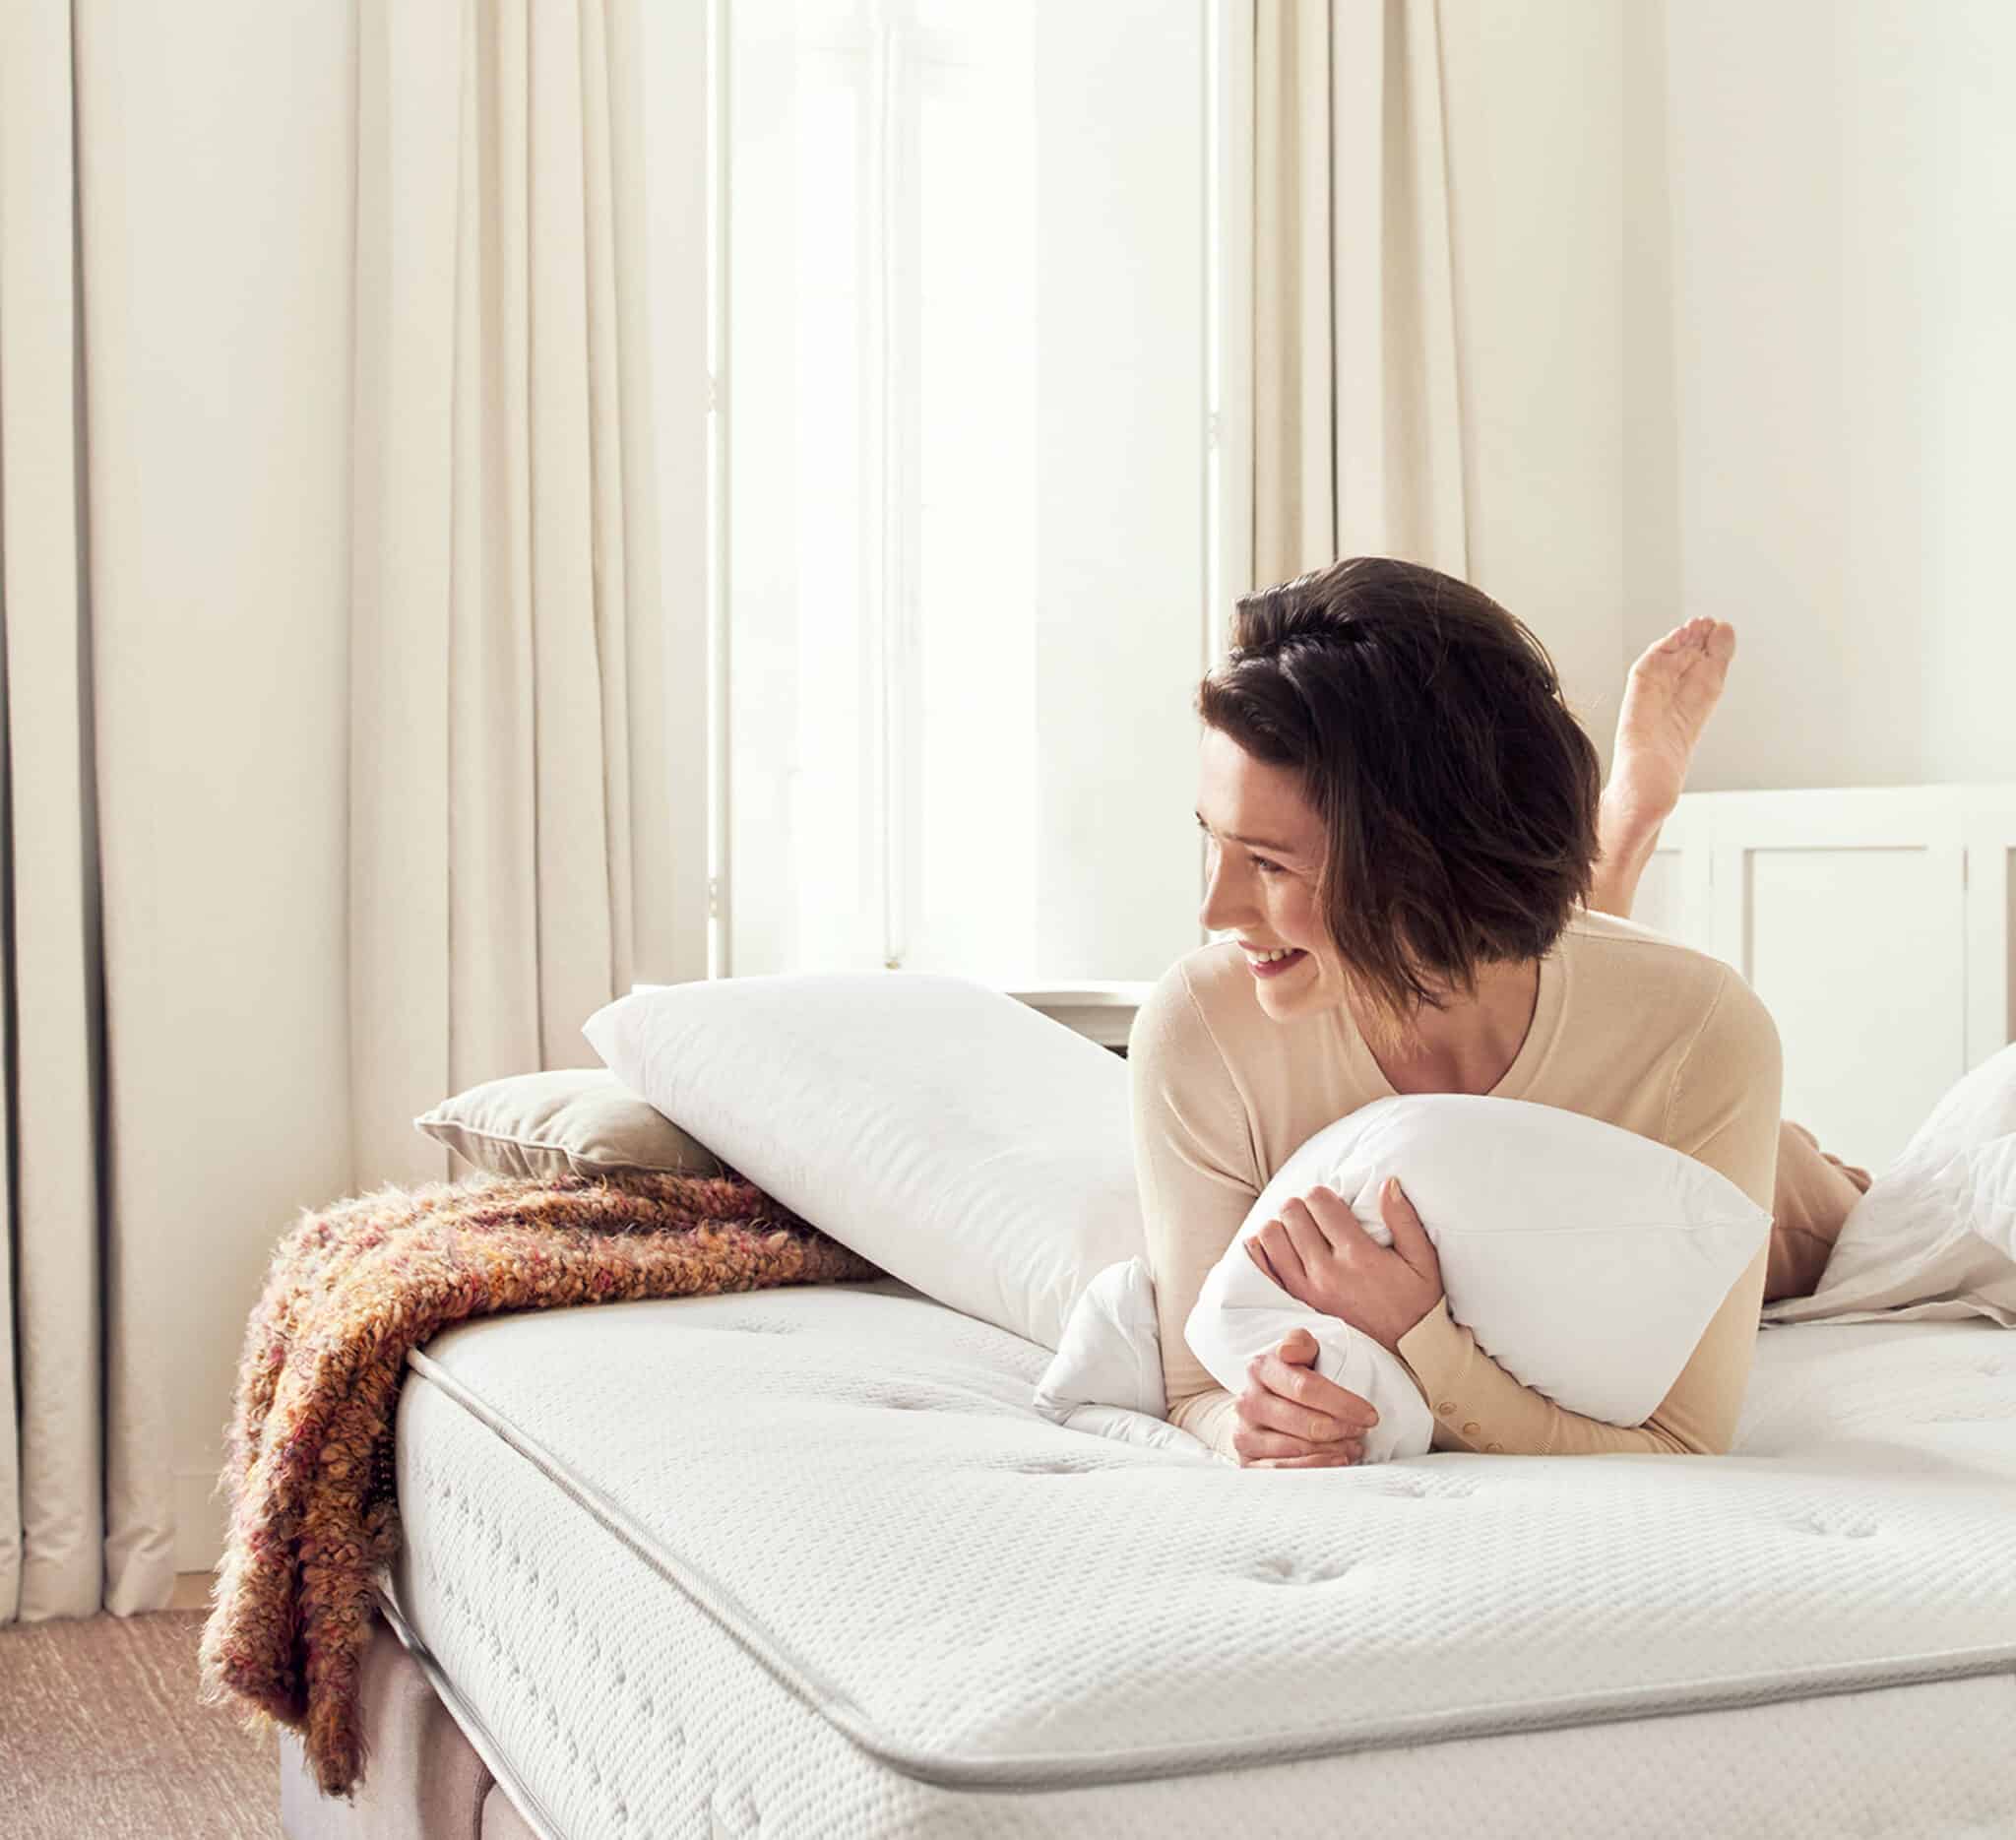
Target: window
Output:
[(968, 358)]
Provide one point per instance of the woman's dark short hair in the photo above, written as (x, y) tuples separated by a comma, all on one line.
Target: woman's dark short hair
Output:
[(1457, 790)]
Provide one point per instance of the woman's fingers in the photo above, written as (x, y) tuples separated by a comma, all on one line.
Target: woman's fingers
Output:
[(1275, 1402), (1304, 1232), (1280, 1450), (1292, 1418), (1409, 1238), (1299, 1346), (1274, 1406), (1279, 1256), (1323, 1457), (1303, 1387)]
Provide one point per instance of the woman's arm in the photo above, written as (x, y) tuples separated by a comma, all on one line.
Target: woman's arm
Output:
[(1723, 1111), (1198, 1180)]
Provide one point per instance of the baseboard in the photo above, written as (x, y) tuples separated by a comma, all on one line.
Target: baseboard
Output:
[(201, 1523)]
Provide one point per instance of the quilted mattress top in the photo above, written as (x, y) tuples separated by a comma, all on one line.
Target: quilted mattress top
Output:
[(851, 1479)]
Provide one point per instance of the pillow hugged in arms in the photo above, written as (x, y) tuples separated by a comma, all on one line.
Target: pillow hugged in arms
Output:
[(1585, 1259)]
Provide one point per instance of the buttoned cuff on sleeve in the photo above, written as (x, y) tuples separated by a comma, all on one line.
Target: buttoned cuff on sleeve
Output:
[(1438, 1353), (1443, 1356)]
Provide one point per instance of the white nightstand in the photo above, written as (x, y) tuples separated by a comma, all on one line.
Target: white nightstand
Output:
[(1101, 1011)]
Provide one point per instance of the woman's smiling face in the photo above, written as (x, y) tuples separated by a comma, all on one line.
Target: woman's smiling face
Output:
[(1265, 868)]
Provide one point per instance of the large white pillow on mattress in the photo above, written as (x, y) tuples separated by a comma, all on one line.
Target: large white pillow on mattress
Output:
[(966, 1143)]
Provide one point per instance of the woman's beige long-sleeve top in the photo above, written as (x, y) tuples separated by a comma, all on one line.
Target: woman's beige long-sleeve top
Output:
[(1629, 1027)]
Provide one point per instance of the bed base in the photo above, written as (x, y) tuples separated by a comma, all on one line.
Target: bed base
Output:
[(423, 1780)]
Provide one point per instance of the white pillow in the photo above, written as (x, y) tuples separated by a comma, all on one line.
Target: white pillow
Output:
[(1585, 1259), (961, 1140), (1934, 1238)]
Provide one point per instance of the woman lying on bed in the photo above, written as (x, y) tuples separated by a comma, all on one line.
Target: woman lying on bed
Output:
[(1398, 797)]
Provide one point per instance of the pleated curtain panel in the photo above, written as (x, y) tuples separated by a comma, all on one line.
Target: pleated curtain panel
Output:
[(506, 771), (1357, 412), (507, 723), (84, 1511)]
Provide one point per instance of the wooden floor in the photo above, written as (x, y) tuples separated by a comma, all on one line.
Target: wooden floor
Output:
[(103, 1737)]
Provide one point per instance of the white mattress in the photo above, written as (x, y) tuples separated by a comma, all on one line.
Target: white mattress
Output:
[(806, 1562)]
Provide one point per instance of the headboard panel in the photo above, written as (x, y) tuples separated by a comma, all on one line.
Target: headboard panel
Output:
[(1874, 921)]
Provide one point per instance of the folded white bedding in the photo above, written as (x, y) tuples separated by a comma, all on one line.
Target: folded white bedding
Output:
[(1585, 1259), (1107, 1374)]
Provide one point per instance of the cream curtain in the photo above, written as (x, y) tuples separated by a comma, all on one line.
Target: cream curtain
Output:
[(506, 693), (86, 1514), (1357, 411), (249, 806)]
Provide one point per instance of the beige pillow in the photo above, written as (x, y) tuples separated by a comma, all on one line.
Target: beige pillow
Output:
[(581, 1121)]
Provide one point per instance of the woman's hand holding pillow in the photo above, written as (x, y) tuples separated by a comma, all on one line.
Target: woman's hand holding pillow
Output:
[(1319, 1255), (1291, 1418)]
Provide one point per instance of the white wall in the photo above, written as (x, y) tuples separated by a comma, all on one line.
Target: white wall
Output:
[(1733, 308), (217, 212), (1820, 375)]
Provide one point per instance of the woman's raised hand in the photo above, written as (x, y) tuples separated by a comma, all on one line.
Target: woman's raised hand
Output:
[(1319, 1255), (1291, 1418)]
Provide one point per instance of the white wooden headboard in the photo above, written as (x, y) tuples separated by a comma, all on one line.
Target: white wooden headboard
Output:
[(1875, 923)]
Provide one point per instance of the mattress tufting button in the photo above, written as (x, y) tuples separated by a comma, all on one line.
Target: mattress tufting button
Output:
[(1445, 1408), (1471, 1426), (1494, 1446)]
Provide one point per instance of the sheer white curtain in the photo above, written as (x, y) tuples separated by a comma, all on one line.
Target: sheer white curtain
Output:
[(508, 779), (86, 1514), (1357, 409)]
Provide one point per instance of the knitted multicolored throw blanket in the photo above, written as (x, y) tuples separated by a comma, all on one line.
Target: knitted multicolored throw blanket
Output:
[(351, 1287)]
